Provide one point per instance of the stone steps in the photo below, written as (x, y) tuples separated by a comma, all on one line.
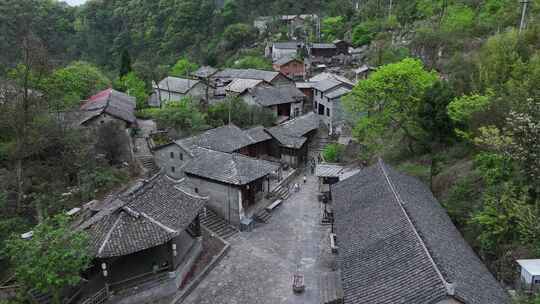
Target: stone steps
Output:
[(216, 224), (148, 163), (262, 216)]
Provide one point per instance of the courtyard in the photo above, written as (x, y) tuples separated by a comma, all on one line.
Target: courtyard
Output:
[(260, 265)]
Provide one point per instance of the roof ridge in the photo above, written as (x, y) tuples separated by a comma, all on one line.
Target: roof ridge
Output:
[(109, 233), (159, 224), (449, 287)]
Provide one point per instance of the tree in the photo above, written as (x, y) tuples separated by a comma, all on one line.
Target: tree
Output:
[(239, 35), (240, 113), (362, 35), (125, 64), (76, 82), (433, 115), (332, 153), (52, 258), (253, 62), (183, 68), (333, 28), (134, 86), (113, 141), (392, 98), (183, 116)]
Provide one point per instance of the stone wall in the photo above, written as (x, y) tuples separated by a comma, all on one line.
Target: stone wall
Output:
[(172, 156)]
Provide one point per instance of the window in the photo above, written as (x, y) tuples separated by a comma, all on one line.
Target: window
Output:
[(181, 156), (173, 169), (536, 281), (197, 190), (328, 112), (172, 154)]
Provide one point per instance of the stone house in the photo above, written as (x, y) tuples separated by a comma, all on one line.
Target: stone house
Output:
[(292, 138), (173, 157), (327, 93), (107, 106), (291, 67), (233, 182), (174, 89), (226, 76), (286, 49), (239, 86), (322, 51), (397, 242), (285, 101), (342, 47), (149, 233)]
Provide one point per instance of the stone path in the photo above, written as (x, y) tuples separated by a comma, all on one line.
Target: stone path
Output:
[(259, 267)]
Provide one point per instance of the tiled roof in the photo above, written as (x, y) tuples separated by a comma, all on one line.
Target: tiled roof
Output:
[(286, 59), (205, 72), (234, 169), (398, 245), (328, 170), (227, 139), (304, 85), (270, 96), (240, 85), (323, 46), (291, 133), (149, 215), (258, 134), (112, 102), (178, 85), (267, 76), (292, 45), (338, 93), (332, 76)]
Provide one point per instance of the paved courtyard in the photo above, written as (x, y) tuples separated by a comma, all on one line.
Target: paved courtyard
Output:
[(260, 264)]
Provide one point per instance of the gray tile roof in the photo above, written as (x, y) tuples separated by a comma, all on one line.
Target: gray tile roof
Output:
[(286, 59), (178, 85), (227, 139), (291, 134), (240, 85), (258, 134), (398, 245), (337, 93), (328, 170), (205, 72), (332, 76), (267, 76), (149, 215), (291, 45), (234, 169), (270, 96), (323, 46), (112, 102)]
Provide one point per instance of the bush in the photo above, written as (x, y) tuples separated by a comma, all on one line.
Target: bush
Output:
[(333, 152)]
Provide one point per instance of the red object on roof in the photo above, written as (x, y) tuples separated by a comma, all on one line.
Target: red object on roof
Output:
[(103, 95)]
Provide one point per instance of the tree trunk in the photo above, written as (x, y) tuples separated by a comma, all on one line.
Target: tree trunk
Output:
[(20, 184)]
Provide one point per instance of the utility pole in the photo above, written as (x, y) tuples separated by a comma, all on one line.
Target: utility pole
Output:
[(390, 8), (523, 23)]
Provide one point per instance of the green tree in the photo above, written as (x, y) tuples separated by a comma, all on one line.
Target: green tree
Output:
[(333, 28), (333, 152), (77, 81), (125, 63), (239, 35), (183, 116), (253, 62), (183, 68), (52, 258), (240, 114), (134, 86), (362, 35), (392, 98)]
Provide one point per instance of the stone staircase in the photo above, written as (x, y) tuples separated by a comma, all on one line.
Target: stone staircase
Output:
[(262, 216), (216, 224), (148, 164), (282, 192)]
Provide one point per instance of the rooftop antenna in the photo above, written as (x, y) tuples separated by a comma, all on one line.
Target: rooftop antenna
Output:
[(523, 23)]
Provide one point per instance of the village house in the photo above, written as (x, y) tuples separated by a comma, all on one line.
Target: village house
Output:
[(342, 47), (146, 235), (328, 90), (294, 22), (306, 88), (291, 67), (291, 139), (108, 106), (529, 278), (321, 51), (175, 89), (285, 101), (173, 157), (396, 243), (226, 76), (286, 49), (235, 183), (240, 86), (363, 72), (204, 73)]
